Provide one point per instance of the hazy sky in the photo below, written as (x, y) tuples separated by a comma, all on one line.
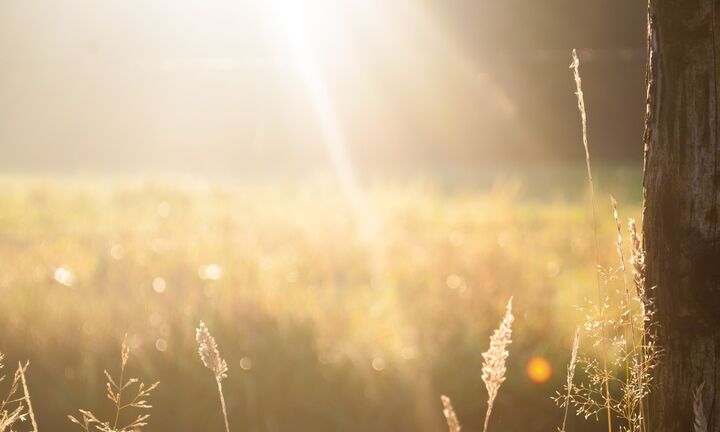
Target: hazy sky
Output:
[(183, 85)]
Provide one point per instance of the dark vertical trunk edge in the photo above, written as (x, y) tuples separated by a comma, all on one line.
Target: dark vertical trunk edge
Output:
[(681, 188)]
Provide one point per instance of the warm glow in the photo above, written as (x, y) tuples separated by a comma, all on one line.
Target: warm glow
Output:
[(539, 370), (313, 85), (295, 23), (345, 192)]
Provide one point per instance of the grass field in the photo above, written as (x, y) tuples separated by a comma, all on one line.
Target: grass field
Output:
[(332, 317)]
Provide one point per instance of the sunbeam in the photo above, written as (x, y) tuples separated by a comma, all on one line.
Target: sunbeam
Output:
[(295, 29)]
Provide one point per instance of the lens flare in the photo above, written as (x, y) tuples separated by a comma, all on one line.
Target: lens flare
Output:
[(539, 370)]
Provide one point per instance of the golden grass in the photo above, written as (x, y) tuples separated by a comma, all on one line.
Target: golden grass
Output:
[(575, 66), (15, 408), (286, 276), (115, 390), (494, 369), (402, 282), (570, 378), (615, 319), (26, 395), (452, 421), (210, 356)]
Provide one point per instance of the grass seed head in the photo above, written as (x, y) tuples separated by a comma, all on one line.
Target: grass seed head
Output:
[(452, 420), (493, 370), (209, 354)]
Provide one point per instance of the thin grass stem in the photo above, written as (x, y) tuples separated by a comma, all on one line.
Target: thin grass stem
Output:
[(575, 66), (26, 394), (224, 408)]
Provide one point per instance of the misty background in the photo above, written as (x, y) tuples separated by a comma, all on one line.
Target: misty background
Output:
[(208, 87)]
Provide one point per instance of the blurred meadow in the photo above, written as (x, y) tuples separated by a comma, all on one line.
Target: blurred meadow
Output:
[(346, 192), (331, 318)]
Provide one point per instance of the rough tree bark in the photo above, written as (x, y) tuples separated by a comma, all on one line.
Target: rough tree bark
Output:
[(682, 196)]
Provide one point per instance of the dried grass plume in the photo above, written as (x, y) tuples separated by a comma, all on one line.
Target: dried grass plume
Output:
[(493, 370), (450, 416), (564, 399), (210, 356), (124, 393)]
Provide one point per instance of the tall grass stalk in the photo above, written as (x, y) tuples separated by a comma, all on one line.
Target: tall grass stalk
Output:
[(631, 347), (450, 416), (633, 310), (114, 390), (26, 395), (124, 356), (575, 66), (210, 356), (571, 376), (494, 369), (637, 262), (623, 315), (13, 409)]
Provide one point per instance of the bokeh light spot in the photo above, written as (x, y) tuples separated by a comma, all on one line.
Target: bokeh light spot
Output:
[(159, 285), (454, 282), (539, 370), (210, 272), (246, 363), (117, 252), (378, 364), (64, 276), (161, 345)]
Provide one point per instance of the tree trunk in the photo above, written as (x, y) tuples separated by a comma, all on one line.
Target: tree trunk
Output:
[(682, 188)]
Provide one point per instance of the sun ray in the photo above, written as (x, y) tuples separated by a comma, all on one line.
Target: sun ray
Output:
[(295, 27)]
